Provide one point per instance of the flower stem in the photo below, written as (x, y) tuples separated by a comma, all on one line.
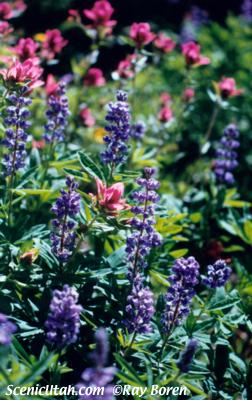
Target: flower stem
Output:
[(212, 122)]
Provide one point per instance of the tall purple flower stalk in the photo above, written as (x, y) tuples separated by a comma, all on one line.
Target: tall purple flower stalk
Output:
[(15, 134), (192, 23), (226, 154), (217, 274), (99, 375), (140, 307), (67, 207), (187, 356), (246, 10), (57, 115), (7, 328), (184, 277), (63, 322), (144, 236), (118, 128)]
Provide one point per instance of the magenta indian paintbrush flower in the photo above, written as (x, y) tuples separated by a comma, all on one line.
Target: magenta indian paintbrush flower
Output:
[(184, 277), (66, 208), (63, 322), (98, 375)]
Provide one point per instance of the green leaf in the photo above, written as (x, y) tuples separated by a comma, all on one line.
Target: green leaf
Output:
[(90, 167), (179, 253), (248, 229), (132, 373), (222, 300), (37, 370)]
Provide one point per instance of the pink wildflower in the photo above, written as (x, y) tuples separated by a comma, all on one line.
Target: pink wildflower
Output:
[(141, 34), (53, 44), (26, 48), (100, 16), (26, 72), (94, 77), (227, 87), (165, 114), (191, 51), (111, 198), (87, 117), (164, 43)]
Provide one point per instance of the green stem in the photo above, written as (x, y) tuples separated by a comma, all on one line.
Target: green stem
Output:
[(212, 122), (131, 344)]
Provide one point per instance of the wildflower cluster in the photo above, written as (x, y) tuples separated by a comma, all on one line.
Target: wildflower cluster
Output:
[(63, 322), (66, 208)]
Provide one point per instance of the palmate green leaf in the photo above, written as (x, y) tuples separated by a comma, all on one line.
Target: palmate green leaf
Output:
[(222, 300), (90, 167)]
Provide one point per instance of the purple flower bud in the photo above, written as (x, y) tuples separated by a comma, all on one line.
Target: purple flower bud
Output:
[(63, 322), (187, 356), (217, 274)]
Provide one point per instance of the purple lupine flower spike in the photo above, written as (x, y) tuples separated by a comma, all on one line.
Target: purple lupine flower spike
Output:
[(140, 307), (226, 154), (118, 128), (137, 130), (187, 356), (246, 10), (217, 274), (67, 207), (63, 322), (185, 273), (57, 115), (7, 328), (192, 23), (144, 236), (99, 375), (15, 135)]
